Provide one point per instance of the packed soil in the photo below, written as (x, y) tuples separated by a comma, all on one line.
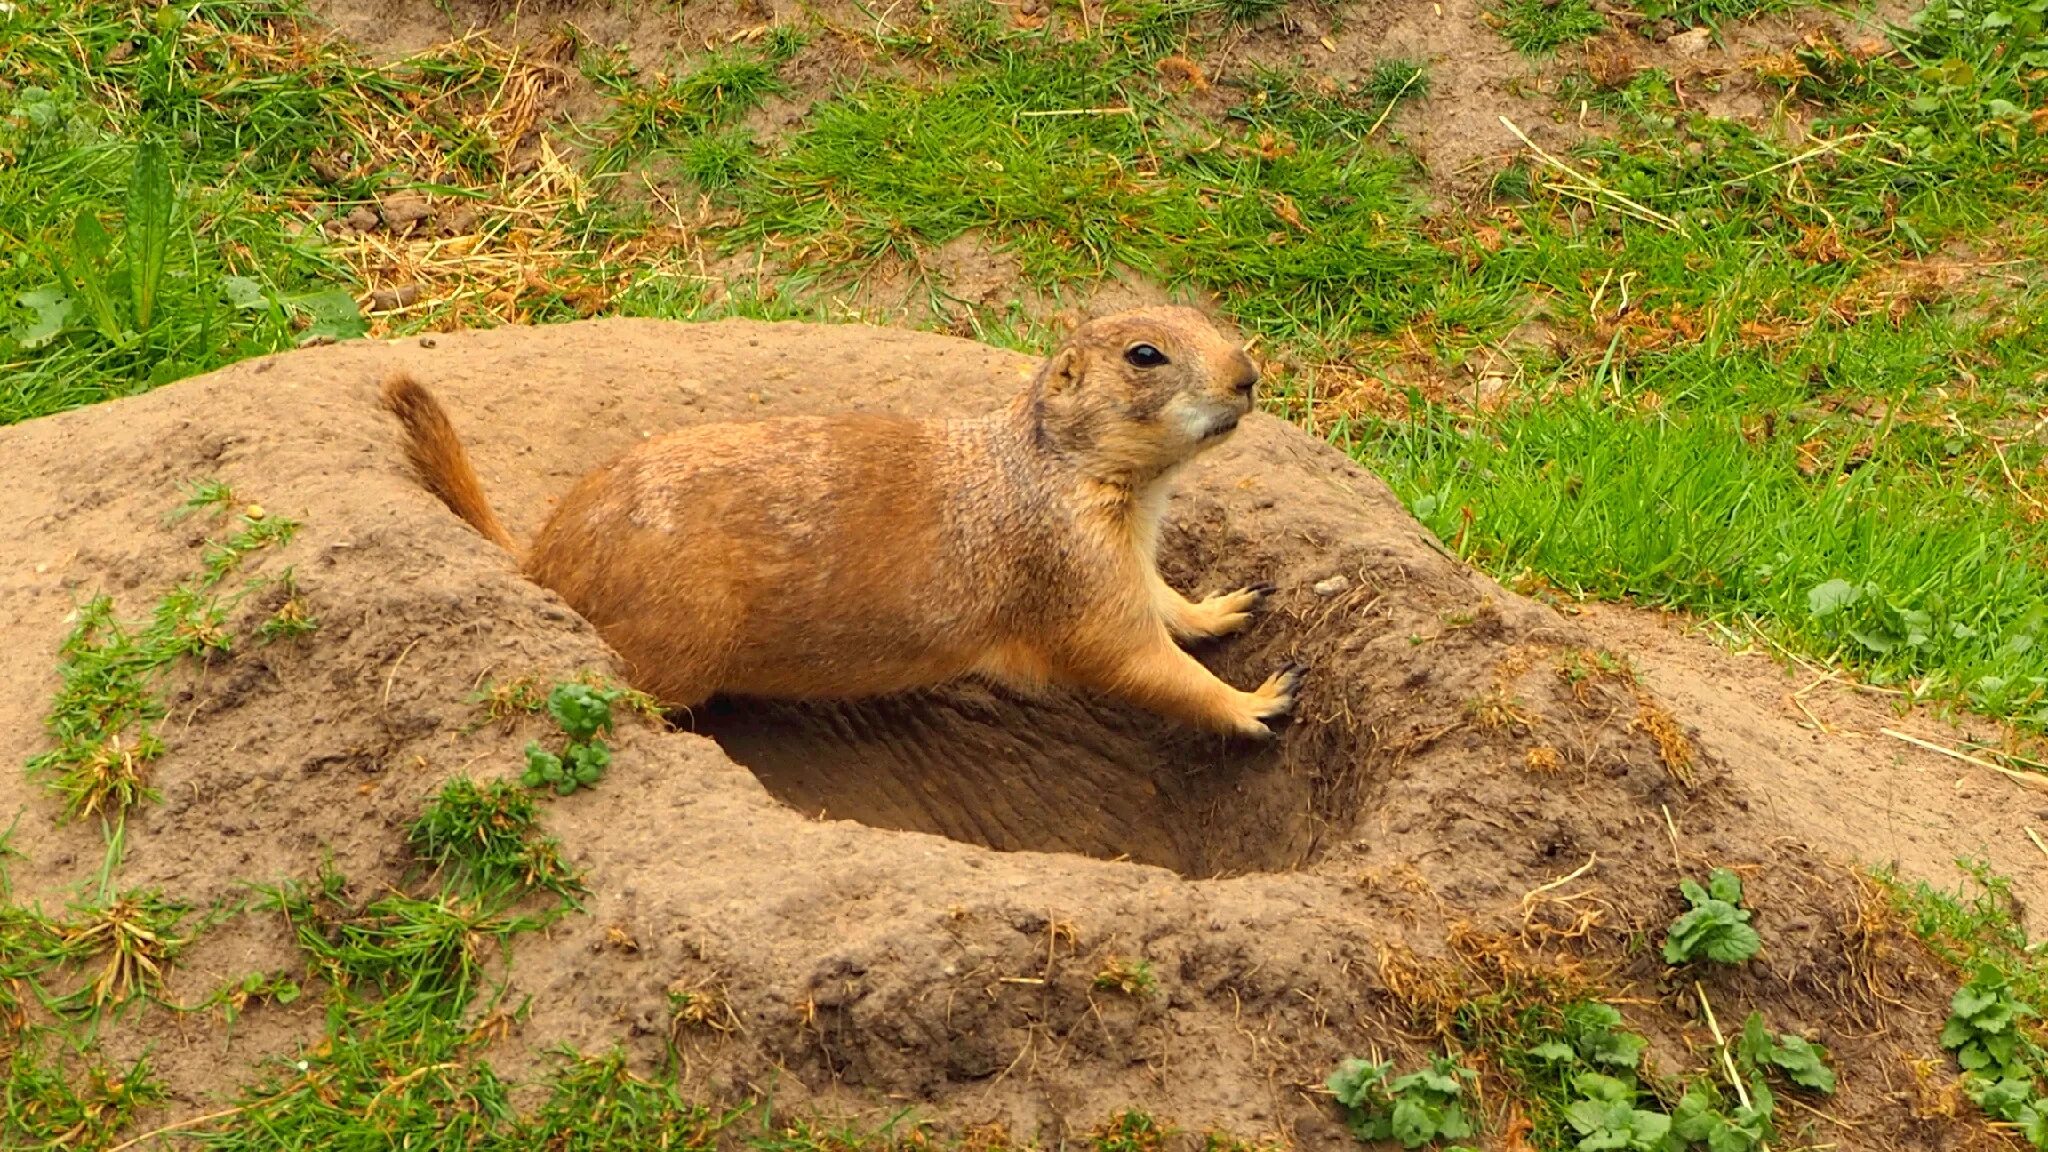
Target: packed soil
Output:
[(907, 902)]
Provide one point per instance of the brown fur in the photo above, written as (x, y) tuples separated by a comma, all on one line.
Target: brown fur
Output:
[(437, 455), (857, 555)]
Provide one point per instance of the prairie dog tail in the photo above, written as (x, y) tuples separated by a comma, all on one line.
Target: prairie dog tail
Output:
[(437, 455)]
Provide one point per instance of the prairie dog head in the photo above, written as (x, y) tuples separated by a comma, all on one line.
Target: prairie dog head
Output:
[(1138, 392)]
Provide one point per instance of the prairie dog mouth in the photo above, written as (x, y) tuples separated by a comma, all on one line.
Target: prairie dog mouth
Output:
[(1223, 427)]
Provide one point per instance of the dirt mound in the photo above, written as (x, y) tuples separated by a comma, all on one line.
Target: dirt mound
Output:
[(1459, 751)]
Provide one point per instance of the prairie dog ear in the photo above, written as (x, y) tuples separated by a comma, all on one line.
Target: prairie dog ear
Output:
[(1064, 373)]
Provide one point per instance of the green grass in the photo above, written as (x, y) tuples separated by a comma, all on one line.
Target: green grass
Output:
[(1309, 235), (148, 154), (1539, 28), (485, 838)]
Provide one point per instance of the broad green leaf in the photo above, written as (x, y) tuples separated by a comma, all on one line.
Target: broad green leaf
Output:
[(333, 315), (1803, 1063), (1753, 1047), (1414, 1122), (147, 232), (88, 272), (542, 766), (580, 710), (243, 293), (1831, 597), (52, 310), (1649, 1127), (1605, 1089), (1733, 944), (1723, 884), (1357, 1081)]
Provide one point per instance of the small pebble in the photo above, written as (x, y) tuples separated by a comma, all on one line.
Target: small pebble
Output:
[(392, 299), (1691, 42), (1332, 586), (402, 211), (363, 218)]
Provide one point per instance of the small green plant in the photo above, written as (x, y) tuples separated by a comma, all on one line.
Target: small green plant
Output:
[(1716, 926), (427, 952), (255, 988), (486, 838), (1798, 1059), (1705, 1116), (699, 1008), (292, 619), (583, 712), (1605, 1115), (1984, 1028), (212, 496), (1131, 1131), (1247, 11), (116, 296), (1397, 78), (1130, 977), (1591, 1033), (1423, 1107), (503, 700), (46, 1106), (2002, 1064)]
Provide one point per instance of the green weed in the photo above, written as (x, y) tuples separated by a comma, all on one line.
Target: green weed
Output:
[(1991, 1026), (1129, 977), (1131, 1132), (1397, 78), (595, 1104), (210, 496), (1422, 1107), (584, 714), (1577, 1070), (1798, 1059), (1714, 926), (690, 118), (292, 619), (426, 953), (143, 153), (1973, 925), (255, 988), (130, 939)]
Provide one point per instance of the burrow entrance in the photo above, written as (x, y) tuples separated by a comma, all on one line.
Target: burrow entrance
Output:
[(1065, 773)]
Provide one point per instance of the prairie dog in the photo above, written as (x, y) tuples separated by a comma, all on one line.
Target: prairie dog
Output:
[(858, 555)]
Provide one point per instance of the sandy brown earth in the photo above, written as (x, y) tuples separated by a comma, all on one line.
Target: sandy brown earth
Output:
[(907, 902)]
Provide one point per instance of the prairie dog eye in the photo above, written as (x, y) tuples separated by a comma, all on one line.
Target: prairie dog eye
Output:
[(1144, 356)]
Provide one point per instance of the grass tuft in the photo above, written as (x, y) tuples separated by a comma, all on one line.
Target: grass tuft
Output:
[(485, 839), (1541, 27)]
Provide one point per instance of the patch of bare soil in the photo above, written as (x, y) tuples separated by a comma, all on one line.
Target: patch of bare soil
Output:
[(1827, 755), (1746, 72), (907, 902)]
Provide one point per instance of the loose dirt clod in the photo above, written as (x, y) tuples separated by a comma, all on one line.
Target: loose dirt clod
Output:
[(810, 888)]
